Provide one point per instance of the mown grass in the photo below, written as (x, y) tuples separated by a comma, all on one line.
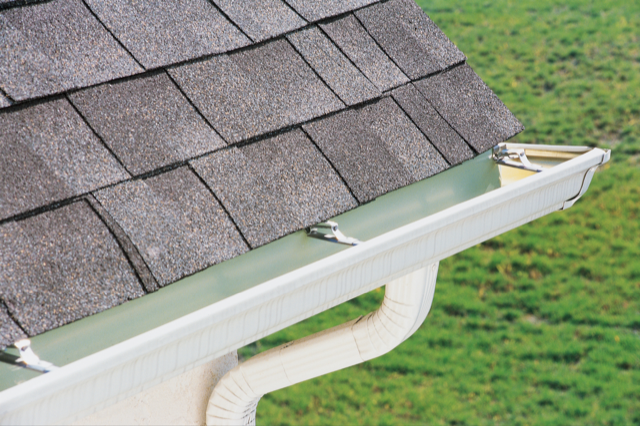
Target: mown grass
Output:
[(540, 326)]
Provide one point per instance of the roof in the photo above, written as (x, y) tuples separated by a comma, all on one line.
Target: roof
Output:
[(144, 142)]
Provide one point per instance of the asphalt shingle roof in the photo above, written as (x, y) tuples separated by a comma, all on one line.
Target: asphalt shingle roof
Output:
[(149, 282), (350, 36), (275, 187), (56, 46), (333, 67), (163, 32), (440, 133), (410, 38), (4, 102), (256, 91), (47, 154), (376, 148), (9, 330), (468, 104), (60, 266), (314, 10), (142, 142), (175, 223), (262, 19), (5, 4), (147, 122)]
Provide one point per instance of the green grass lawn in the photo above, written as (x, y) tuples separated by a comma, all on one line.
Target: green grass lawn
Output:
[(540, 326)]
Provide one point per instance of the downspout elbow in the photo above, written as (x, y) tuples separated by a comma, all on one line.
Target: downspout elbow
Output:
[(406, 304)]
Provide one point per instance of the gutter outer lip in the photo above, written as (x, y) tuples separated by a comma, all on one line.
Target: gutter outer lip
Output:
[(94, 382)]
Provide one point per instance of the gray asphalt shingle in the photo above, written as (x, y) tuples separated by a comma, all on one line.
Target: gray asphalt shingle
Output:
[(256, 91), (4, 4), (9, 330), (47, 154), (440, 134), (175, 222), (144, 274), (261, 19), (146, 122), (314, 10), (61, 266), (470, 107), (56, 46), (162, 32), (276, 186), (419, 158), (334, 68), (360, 157), (357, 44), (376, 148), (410, 38), (4, 102)]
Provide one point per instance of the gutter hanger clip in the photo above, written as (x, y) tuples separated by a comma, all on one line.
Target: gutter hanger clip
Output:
[(508, 157), (328, 231), (28, 359)]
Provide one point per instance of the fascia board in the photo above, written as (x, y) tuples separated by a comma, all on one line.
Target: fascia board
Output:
[(99, 380)]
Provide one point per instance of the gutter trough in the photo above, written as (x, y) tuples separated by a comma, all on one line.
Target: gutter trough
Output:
[(401, 232)]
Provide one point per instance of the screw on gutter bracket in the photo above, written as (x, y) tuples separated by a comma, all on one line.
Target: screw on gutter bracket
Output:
[(28, 359), (508, 157), (328, 231)]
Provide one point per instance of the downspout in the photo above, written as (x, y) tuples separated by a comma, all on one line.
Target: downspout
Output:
[(406, 304)]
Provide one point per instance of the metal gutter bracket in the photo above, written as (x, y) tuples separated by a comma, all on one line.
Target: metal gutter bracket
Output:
[(507, 157), (28, 359), (328, 231)]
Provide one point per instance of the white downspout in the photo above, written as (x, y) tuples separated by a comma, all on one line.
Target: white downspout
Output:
[(406, 304)]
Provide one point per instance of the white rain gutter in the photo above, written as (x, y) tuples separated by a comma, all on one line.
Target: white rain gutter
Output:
[(405, 307), (407, 302), (97, 381)]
